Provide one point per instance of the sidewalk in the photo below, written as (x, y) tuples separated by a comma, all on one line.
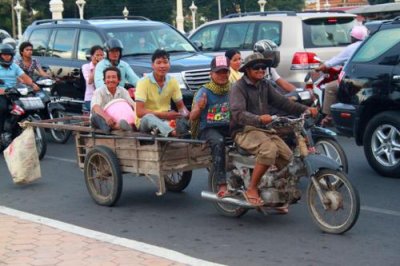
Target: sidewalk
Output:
[(27, 239)]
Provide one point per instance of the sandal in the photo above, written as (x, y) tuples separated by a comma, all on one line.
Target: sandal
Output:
[(253, 201)]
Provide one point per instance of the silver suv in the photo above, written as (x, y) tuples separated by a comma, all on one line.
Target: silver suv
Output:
[(300, 36)]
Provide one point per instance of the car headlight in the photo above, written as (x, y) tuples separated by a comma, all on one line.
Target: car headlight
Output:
[(179, 77)]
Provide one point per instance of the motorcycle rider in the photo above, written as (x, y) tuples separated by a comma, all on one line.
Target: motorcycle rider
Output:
[(269, 50), (211, 113), (114, 49), (27, 63), (250, 99), (9, 75), (358, 34)]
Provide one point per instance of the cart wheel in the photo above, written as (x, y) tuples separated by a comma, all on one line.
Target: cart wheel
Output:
[(177, 182), (103, 176)]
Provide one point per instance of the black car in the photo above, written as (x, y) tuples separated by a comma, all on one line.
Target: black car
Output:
[(62, 46), (369, 99)]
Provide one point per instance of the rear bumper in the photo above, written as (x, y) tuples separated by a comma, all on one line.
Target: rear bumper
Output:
[(344, 116)]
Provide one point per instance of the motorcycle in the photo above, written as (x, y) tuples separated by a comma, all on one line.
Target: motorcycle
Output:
[(24, 106), (53, 109), (325, 140), (332, 200)]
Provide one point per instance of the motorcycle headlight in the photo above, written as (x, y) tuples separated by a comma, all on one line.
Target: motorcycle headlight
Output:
[(179, 77)]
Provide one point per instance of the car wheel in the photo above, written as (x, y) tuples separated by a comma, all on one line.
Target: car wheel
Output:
[(382, 143)]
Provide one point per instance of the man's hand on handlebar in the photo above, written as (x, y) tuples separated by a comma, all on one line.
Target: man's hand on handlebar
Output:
[(312, 111), (265, 119), (35, 87), (2, 91)]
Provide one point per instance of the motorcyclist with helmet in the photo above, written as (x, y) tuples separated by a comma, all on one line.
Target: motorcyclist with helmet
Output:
[(358, 34), (114, 49), (9, 75), (269, 50)]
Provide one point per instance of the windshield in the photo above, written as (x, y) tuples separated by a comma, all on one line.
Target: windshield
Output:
[(327, 32), (144, 40)]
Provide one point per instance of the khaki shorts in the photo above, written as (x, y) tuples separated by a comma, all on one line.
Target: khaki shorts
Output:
[(268, 147)]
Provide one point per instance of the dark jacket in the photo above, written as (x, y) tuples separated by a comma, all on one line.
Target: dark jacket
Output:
[(248, 102)]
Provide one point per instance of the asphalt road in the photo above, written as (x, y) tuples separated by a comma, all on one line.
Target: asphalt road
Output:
[(184, 222)]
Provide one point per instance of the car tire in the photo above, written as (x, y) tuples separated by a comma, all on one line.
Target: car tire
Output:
[(382, 143)]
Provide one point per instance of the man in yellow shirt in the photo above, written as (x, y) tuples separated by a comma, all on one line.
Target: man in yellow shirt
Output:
[(153, 98)]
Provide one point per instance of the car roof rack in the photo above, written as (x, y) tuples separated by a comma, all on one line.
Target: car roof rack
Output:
[(322, 11), (265, 13), (121, 17), (59, 21)]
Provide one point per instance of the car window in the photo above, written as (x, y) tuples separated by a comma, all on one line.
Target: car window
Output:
[(87, 39), (208, 36), (144, 40), (39, 39), (270, 30), (236, 35), (62, 43), (327, 32), (377, 45)]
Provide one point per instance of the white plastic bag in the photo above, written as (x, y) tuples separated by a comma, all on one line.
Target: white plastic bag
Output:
[(22, 158)]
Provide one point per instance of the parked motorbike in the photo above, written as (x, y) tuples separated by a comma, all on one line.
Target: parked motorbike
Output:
[(332, 200), (53, 109), (325, 140), (24, 106)]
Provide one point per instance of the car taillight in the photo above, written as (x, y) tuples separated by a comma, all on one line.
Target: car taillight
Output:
[(304, 60)]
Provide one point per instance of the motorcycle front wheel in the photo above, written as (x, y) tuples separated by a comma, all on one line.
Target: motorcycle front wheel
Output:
[(333, 150), (339, 208), (59, 136), (225, 209)]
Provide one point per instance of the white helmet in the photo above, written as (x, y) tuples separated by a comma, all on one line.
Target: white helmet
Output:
[(269, 50)]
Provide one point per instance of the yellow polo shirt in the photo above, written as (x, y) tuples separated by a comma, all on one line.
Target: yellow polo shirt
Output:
[(155, 98)]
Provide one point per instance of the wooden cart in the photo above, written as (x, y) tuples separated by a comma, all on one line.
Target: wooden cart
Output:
[(166, 162)]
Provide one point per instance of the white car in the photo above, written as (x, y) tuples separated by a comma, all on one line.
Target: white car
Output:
[(300, 36)]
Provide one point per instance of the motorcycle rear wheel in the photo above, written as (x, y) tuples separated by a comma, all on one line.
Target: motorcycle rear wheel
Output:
[(229, 210), (342, 207), (59, 136)]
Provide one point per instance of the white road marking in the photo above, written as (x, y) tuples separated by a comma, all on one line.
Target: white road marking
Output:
[(133, 244), (380, 210), (60, 159)]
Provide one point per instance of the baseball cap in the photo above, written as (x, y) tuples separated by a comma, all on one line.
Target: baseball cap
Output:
[(219, 62)]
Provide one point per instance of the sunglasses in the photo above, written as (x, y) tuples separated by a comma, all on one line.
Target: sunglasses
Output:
[(258, 67)]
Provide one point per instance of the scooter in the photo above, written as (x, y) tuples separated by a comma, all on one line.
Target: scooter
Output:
[(53, 109), (332, 200), (24, 105)]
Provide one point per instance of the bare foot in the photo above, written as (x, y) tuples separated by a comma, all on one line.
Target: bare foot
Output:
[(253, 198)]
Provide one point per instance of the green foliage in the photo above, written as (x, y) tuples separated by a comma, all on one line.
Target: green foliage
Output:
[(161, 10)]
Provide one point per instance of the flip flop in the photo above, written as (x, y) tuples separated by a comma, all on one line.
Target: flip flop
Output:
[(254, 201)]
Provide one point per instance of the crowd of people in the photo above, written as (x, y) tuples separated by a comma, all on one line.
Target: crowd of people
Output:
[(236, 103)]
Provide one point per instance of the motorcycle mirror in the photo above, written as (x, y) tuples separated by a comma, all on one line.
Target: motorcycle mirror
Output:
[(59, 71)]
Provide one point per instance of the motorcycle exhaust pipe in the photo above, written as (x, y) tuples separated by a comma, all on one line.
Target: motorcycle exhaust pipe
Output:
[(213, 197)]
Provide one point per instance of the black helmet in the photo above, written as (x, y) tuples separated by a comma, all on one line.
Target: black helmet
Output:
[(114, 44), (269, 50), (6, 49)]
